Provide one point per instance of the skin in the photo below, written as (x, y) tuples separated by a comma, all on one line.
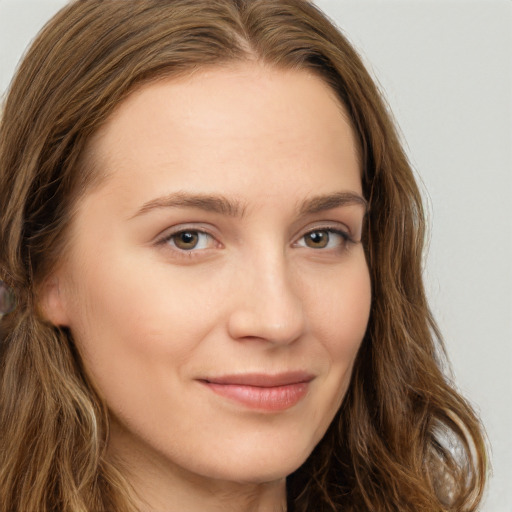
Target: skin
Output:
[(257, 293)]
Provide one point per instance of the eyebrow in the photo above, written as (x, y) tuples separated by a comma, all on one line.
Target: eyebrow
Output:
[(322, 203), (225, 206), (211, 203)]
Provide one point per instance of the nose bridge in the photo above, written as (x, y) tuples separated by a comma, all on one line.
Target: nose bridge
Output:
[(268, 304)]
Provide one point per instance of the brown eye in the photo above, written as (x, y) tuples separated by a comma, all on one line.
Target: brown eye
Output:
[(189, 240), (317, 239), (324, 239), (186, 240)]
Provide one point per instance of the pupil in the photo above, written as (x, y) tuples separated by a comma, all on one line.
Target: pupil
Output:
[(319, 239), (187, 240)]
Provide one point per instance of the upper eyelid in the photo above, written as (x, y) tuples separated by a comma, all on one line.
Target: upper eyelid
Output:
[(172, 231), (330, 229), (334, 226), (326, 225)]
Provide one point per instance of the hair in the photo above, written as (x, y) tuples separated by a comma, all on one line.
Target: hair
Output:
[(403, 438)]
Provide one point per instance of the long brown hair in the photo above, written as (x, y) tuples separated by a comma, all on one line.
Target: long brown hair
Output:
[(403, 439)]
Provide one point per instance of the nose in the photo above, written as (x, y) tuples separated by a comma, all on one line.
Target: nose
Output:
[(267, 304)]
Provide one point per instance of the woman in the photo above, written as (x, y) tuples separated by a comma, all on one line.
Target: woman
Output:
[(215, 239)]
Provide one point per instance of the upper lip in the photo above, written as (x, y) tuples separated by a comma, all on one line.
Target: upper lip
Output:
[(264, 380)]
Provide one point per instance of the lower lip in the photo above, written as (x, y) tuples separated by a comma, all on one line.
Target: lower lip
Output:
[(278, 398)]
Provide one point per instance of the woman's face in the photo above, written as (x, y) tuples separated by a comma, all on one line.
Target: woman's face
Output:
[(215, 285)]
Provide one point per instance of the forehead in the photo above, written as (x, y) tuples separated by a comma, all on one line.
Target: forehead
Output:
[(248, 118)]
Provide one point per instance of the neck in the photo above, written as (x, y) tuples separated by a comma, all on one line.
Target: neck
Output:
[(221, 497)]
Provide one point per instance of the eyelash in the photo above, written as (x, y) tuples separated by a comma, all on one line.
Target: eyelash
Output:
[(168, 239), (345, 237)]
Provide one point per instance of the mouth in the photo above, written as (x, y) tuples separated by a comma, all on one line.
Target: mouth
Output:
[(263, 392)]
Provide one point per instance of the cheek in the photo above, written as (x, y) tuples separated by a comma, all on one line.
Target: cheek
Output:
[(339, 318), (128, 320), (340, 310)]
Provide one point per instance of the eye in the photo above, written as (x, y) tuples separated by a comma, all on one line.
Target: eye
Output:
[(189, 240), (324, 239)]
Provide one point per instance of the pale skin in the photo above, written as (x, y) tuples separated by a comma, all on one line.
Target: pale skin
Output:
[(225, 240)]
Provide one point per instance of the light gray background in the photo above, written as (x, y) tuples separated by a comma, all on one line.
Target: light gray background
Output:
[(446, 69)]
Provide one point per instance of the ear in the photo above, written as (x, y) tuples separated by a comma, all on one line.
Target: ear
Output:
[(52, 300)]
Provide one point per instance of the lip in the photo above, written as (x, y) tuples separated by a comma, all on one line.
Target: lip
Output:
[(260, 391)]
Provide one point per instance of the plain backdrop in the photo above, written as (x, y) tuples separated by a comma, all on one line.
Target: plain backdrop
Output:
[(445, 68)]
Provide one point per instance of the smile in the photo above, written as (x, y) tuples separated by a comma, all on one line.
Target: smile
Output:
[(262, 392)]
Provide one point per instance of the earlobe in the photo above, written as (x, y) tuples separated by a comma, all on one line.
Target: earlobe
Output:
[(53, 303)]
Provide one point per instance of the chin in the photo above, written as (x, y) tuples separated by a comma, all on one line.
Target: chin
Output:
[(261, 465)]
